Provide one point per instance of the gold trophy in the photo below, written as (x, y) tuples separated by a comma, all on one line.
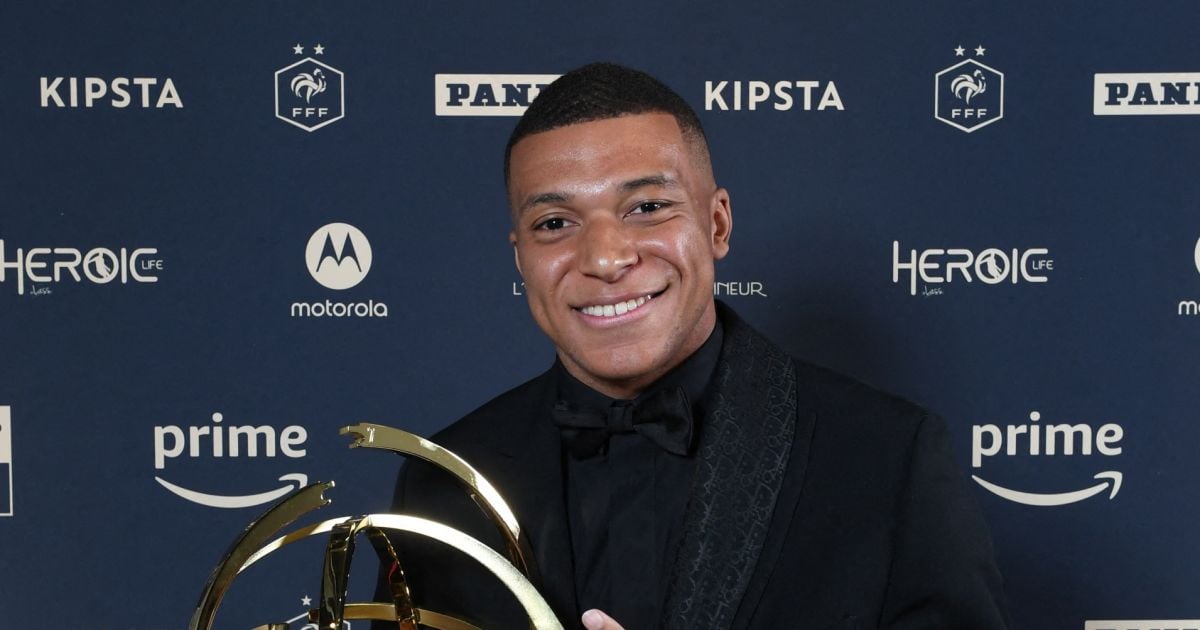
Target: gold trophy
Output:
[(515, 571)]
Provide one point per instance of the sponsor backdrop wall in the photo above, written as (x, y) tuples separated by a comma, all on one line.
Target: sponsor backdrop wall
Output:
[(227, 231)]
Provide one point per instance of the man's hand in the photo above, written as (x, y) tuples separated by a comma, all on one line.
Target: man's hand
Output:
[(595, 619)]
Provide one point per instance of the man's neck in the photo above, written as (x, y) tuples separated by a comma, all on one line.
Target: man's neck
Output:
[(631, 388)]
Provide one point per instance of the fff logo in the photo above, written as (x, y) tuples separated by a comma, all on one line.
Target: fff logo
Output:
[(968, 95), (310, 94)]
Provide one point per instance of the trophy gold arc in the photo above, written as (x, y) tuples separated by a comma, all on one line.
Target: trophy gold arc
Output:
[(515, 569)]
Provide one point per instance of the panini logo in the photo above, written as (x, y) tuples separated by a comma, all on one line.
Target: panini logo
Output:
[(1142, 624), (486, 94), (6, 478), (1146, 94)]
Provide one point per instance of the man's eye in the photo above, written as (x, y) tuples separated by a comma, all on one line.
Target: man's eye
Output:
[(551, 224), (648, 207)]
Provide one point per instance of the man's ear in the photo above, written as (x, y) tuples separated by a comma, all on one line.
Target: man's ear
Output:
[(512, 239), (721, 222)]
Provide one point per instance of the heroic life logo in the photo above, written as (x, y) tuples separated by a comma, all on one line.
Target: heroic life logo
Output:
[(1036, 439), (6, 475), (968, 95), (338, 257), (220, 441), (99, 265), (310, 93), (991, 266)]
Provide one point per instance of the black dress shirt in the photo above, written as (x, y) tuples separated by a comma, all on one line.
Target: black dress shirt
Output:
[(625, 503)]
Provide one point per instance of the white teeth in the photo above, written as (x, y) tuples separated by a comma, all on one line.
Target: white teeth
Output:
[(612, 310)]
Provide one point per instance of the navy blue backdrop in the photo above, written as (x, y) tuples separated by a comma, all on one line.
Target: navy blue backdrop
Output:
[(989, 208)]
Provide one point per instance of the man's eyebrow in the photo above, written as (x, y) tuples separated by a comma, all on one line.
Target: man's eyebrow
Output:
[(649, 180), (550, 197), (657, 179)]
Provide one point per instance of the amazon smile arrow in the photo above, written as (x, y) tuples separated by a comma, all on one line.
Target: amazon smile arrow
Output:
[(1063, 498), (219, 501)]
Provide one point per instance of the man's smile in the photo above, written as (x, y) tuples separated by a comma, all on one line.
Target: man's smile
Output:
[(617, 307)]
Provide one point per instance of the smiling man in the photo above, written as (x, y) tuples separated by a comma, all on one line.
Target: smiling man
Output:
[(674, 468)]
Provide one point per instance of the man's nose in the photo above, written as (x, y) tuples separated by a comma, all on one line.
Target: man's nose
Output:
[(607, 249)]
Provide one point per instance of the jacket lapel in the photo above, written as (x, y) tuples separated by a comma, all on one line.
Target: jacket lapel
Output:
[(532, 455), (744, 447)]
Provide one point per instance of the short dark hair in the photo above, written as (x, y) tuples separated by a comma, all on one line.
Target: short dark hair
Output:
[(599, 91)]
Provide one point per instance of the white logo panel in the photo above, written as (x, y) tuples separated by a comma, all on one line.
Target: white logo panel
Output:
[(1146, 94), (486, 94), (1142, 624), (6, 476)]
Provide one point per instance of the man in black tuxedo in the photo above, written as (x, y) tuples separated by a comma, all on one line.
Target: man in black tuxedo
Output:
[(674, 468)]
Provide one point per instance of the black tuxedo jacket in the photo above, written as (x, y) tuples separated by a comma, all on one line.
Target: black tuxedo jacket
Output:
[(816, 502)]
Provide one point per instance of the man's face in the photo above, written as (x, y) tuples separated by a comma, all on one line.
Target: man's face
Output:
[(617, 223)]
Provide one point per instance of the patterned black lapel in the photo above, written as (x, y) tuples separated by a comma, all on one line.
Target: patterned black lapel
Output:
[(745, 441)]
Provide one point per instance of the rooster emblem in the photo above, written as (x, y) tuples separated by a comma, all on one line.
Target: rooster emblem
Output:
[(306, 85), (968, 84)]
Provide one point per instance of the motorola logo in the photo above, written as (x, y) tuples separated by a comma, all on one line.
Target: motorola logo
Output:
[(338, 256), (1191, 307)]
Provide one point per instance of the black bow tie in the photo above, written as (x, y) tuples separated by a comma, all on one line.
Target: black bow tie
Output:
[(664, 417)]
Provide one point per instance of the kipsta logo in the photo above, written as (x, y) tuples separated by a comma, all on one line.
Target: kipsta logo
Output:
[(338, 256), (6, 477), (968, 95), (1047, 440), (229, 442), (309, 93), (118, 92)]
